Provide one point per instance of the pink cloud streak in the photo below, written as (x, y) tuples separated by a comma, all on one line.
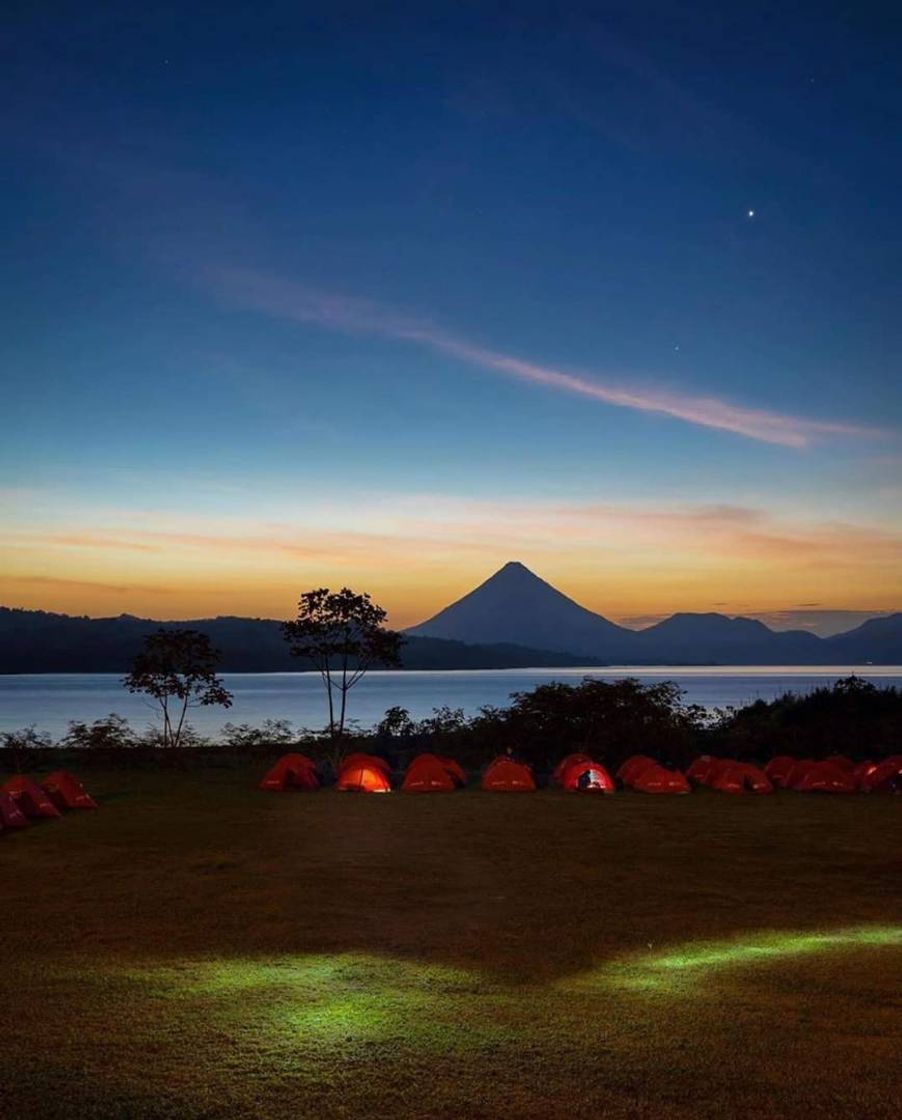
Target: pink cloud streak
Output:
[(283, 299)]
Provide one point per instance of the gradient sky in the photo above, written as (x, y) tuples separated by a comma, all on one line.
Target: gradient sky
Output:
[(388, 295)]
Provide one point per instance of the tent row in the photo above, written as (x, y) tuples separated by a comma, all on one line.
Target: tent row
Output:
[(580, 773), (432, 773), (23, 800), (836, 774)]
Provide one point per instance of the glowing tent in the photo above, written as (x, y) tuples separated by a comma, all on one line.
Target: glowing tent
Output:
[(29, 797), (586, 777), (885, 778), (358, 758), (503, 775), (11, 816), (657, 779), (565, 762), (66, 791), (824, 777), (428, 774), (291, 772), (363, 777)]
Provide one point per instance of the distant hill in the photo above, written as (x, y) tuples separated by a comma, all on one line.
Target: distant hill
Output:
[(878, 640), (41, 642), (515, 605), (715, 638)]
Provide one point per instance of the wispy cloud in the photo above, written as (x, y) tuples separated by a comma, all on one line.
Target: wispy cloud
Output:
[(283, 299)]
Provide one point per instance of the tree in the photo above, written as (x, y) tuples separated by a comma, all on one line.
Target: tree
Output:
[(177, 669), (343, 635)]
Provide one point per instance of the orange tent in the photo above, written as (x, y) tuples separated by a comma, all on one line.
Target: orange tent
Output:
[(30, 798), (11, 816), (503, 775), (454, 768), (67, 792), (363, 777), (738, 777), (567, 761), (291, 772), (657, 779), (779, 769), (358, 758), (863, 771), (883, 778), (824, 777), (798, 772), (703, 769), (587, 777), (428, 774), (633, 767)]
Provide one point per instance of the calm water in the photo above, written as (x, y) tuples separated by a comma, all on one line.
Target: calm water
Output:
[(50, 700)]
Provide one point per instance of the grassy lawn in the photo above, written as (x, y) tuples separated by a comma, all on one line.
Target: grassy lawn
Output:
[(200, 949)]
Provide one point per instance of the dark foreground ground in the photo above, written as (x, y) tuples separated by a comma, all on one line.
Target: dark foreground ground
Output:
[(200, 949)]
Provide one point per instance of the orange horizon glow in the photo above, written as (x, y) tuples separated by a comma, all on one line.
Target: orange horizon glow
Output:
[(204, 577)]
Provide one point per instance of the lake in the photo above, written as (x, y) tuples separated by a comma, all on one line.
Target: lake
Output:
[(49, 701)]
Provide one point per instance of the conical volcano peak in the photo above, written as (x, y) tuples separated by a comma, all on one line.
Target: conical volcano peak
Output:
[(514, 570), (516, 606)]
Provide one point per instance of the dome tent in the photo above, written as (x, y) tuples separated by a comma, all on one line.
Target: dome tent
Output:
[(503, 775), (291, 772)]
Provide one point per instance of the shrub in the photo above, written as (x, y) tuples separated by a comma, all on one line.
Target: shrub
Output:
[(24, 749)]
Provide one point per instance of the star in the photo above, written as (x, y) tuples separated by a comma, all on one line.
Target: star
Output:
[(751, 213)]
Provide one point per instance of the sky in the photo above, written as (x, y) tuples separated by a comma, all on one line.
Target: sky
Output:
[(387, 295)]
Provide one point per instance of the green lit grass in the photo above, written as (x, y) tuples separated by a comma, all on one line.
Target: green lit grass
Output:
[(199, 949)]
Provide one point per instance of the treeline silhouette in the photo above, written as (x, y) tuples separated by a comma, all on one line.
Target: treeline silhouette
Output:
[(610, 720)]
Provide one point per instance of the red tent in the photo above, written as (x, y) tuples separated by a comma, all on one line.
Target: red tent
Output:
[(737, 777), (587, 777), (506, 776), (863, 771), (703, 769), (358, 758), (884, 778), (633, 767), (657, 779), (454, 768), (842, 762), (428, 774), (567, 761), (779, 769), (29, 797), (291, 772), (363, 777), (11, 816), (824, 777), (66, 791), (798, 772)]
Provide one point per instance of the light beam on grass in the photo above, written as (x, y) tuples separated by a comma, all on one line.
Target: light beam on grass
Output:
[(678, 967), (347, 998)]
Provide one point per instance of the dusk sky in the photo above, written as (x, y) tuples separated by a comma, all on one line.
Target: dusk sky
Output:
[(387, 295)]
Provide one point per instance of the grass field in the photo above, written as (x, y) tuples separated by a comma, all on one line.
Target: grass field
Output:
[(200, 949)]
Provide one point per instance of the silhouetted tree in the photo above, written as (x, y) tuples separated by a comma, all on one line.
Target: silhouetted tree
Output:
[(177, 669), (343, 635)]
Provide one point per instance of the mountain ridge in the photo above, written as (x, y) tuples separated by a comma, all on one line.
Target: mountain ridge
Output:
[(519, 606), (513, 619)]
